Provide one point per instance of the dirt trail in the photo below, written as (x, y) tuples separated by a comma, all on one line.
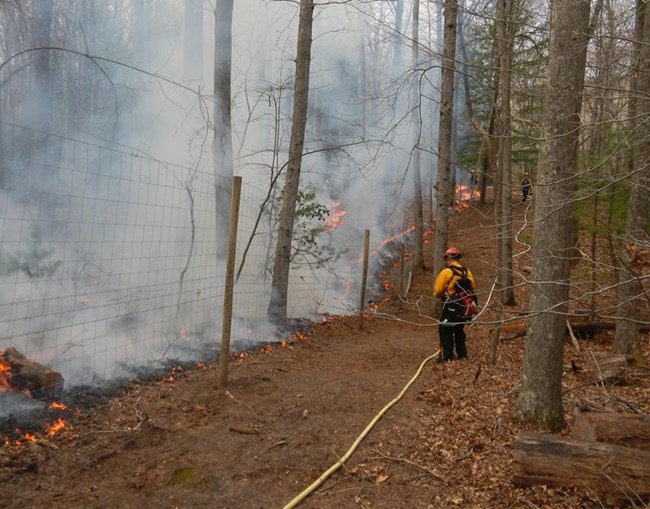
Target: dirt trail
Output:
[(291, 413)]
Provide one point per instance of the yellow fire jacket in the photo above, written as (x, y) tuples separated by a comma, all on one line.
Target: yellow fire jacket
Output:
[(444, 284)]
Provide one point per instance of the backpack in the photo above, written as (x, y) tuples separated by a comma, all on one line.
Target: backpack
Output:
[(461, 306)]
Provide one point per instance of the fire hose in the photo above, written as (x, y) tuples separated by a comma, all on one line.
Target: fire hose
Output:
[(359, 439)]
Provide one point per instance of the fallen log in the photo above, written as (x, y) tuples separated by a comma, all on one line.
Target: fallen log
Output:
[(610, 367), (581, 330), (614, 473), (629, 430), (28, 376)]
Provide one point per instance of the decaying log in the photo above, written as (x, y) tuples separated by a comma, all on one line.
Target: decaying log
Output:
[(26, 375), (610, 367), (612, 472), (628, 430)]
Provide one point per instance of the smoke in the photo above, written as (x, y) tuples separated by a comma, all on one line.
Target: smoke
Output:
[(107, 260)]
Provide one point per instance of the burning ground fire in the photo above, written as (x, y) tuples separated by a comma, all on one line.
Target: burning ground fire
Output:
[(49, 430), (336, 216), (463, 195), (19, 437), (268, 348)]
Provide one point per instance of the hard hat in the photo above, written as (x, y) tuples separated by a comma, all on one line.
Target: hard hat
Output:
[(453, 253)]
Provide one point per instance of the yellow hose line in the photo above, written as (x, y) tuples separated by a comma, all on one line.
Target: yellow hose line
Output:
[(356, 443)]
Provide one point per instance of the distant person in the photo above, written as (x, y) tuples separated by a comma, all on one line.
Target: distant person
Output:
[(451, 330), (525, 187)]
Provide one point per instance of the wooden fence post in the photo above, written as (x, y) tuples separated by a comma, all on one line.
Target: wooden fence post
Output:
[(226, 318), (364, 276)]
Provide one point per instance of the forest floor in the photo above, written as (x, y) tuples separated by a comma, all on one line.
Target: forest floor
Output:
[(290, 414)]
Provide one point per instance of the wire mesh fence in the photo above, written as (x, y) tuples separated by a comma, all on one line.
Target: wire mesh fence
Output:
[(109, 265)]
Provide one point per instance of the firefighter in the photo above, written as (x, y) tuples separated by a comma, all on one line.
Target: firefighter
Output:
[(451, 332)]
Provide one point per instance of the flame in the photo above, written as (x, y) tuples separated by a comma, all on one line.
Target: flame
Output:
[(5, 375), (298, 336), (175, 372), (463, 194), (28, 437), (372, 306), (54, 428), (336, 217), (329, 319), (183, 333)]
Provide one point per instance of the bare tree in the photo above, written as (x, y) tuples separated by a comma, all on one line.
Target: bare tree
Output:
[(505, 40), (540, 395), (443, 190), (193, 41), (277, 310), (222, 147), (42, 84), (630, 292), (417, 129)]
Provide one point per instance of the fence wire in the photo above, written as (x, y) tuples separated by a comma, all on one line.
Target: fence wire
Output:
[(109, 265)]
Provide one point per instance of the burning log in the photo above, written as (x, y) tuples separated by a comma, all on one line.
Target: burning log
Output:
[(614, 472), (23, 375)]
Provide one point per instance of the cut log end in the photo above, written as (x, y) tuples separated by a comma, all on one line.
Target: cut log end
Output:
[(629, 430)]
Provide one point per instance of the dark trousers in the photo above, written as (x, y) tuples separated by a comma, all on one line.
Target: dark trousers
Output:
[(452, 336)]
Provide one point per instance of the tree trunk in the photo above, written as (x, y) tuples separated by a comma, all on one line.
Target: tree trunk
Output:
[(417, 132), (42, 85), (501, 192), (630, 291), (143, 46), (488, 157), (540, 395), (222, 145), (280, 284), (443, 191), (505, 39), (193, 43)]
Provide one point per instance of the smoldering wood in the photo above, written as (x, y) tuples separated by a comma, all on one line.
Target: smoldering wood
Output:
[(628, 430), (26, 375), (613, 472)]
